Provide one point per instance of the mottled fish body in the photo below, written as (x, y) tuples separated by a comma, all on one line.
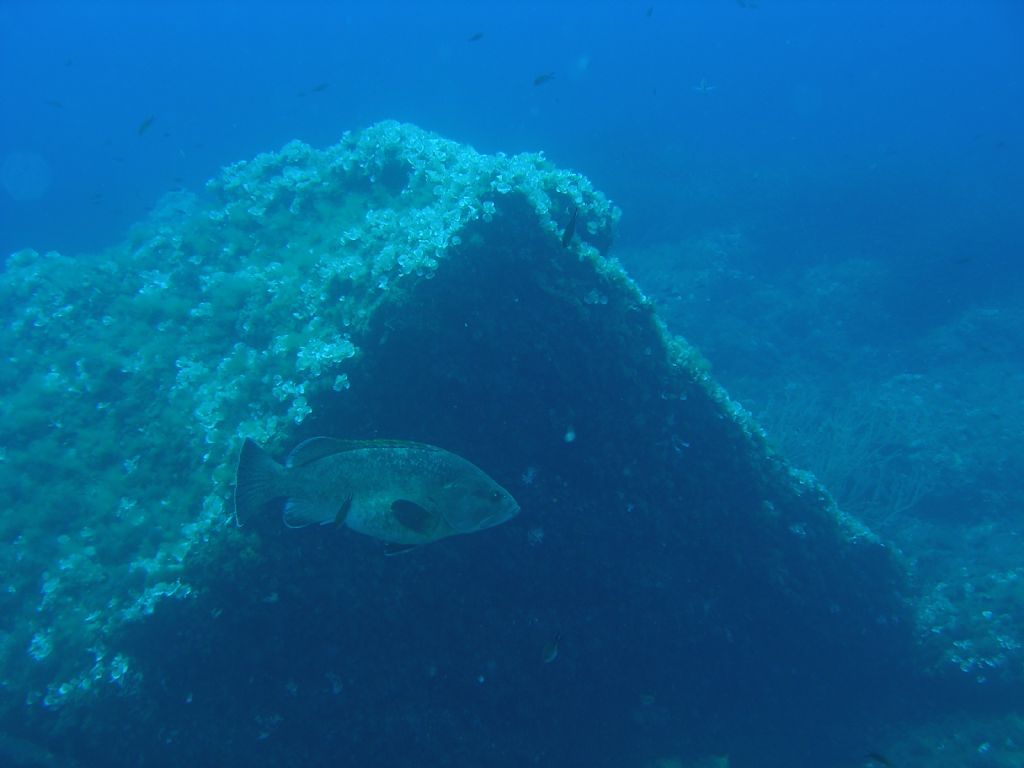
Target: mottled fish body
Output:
[(402, 493)]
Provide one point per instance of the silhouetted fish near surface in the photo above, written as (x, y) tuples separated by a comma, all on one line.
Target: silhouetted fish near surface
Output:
[(318, 88), (145, 125), (402, 493), (546, 77), (570, 229), (474, 37)]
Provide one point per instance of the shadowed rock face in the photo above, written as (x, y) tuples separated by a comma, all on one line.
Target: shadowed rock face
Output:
[(401, 286)]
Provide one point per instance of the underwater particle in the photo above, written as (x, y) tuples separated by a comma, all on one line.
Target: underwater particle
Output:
[(337, 686), (570, 435), (118, 669), (529, 476), (550, 650), (50, 585), (475, 37), (535, 536), (40, 647), (267, 725), (678, 444), (145, 125)]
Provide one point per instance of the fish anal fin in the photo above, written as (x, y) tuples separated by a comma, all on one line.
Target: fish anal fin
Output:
[(414, 517)]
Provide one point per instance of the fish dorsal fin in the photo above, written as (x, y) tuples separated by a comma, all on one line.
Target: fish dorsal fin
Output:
[(316, 448), (414, 517)]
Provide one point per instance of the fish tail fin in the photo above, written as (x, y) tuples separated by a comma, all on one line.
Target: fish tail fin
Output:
[(258, 480)]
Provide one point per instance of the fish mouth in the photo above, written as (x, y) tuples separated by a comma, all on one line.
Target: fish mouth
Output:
[(497, 519)]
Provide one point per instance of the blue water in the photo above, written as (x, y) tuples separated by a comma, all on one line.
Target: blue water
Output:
[(819, 194), (831, 127)]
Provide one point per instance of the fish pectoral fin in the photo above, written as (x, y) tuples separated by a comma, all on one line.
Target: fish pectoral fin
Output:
[(301, 512), (391, 549), (414, 517), (343, 510)]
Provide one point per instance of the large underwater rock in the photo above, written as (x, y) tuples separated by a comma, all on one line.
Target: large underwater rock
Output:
[(398, 285)]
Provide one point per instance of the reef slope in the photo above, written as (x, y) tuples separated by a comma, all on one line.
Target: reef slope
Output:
[(394, 285)]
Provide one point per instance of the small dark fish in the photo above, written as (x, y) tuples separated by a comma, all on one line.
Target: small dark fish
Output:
[(546, 77), (54, 103), (570, 229), (550, 650), (145, 124), (474, 37), (877, 757), (650, 11), (319, 87)]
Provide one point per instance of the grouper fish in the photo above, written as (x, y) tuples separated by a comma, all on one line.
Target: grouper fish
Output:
[(402, 493)]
